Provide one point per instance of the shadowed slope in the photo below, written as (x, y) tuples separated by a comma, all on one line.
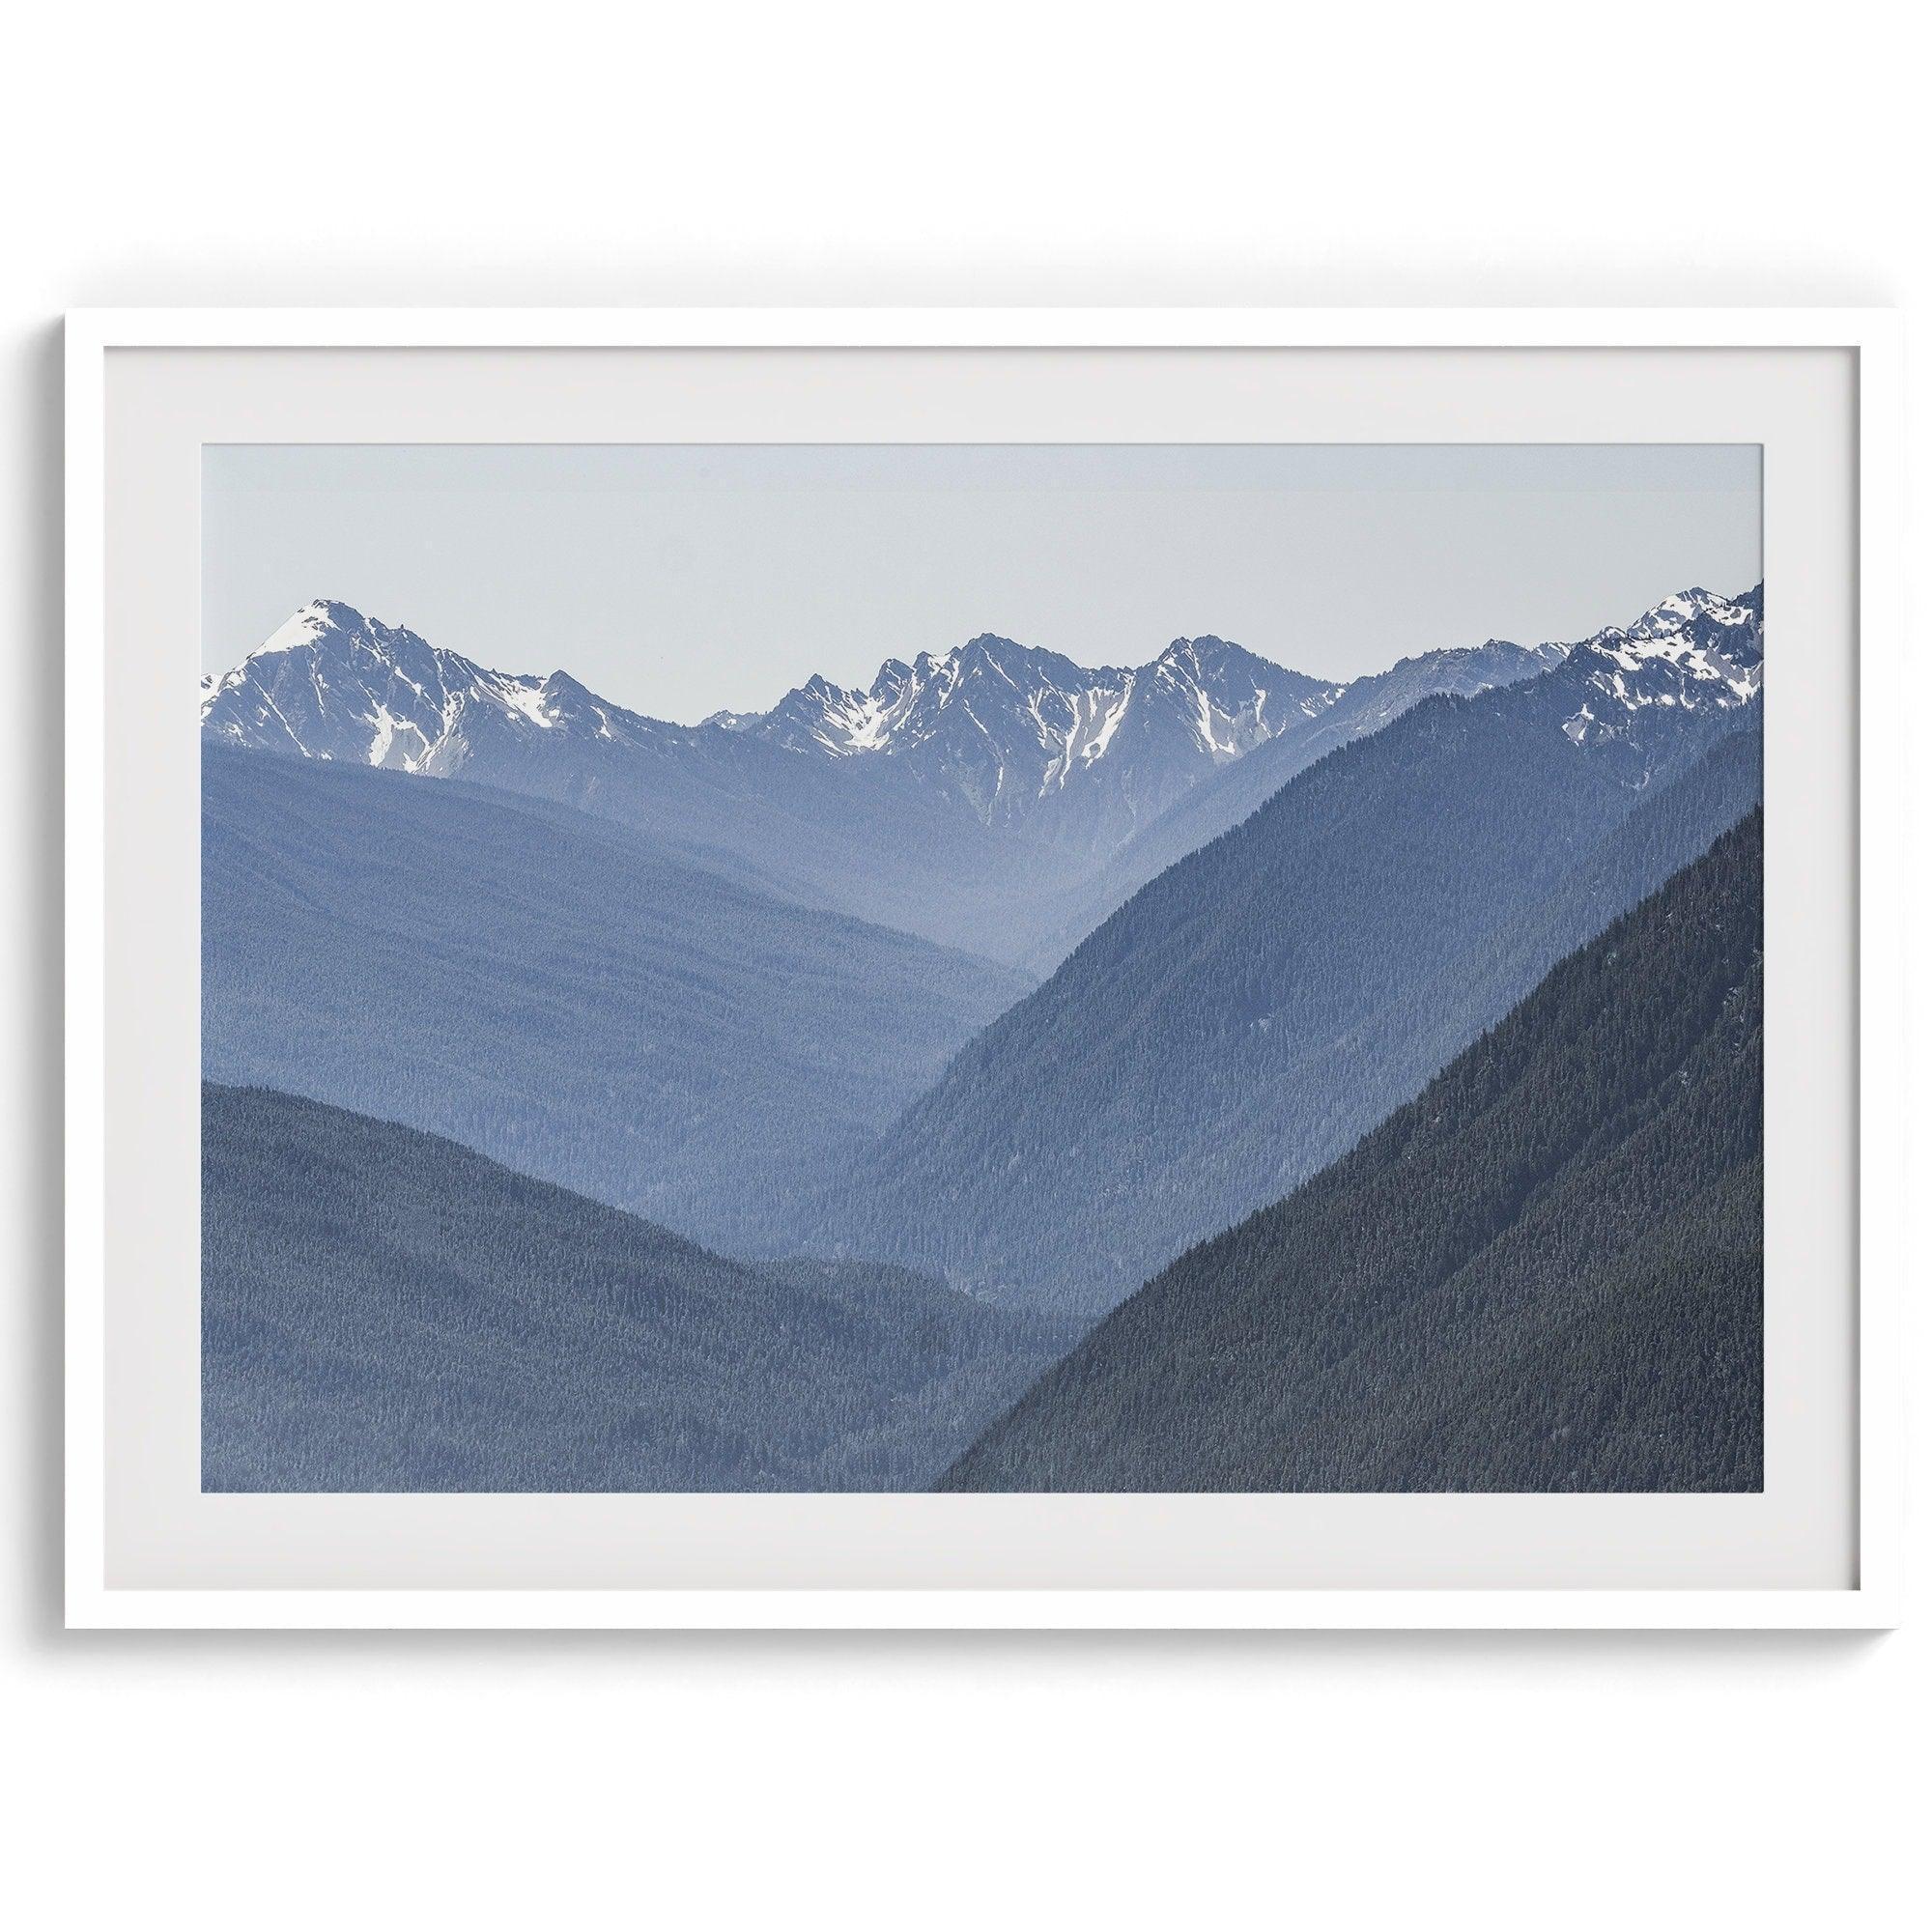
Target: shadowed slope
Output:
[(386, 1310), (1543, 1273)]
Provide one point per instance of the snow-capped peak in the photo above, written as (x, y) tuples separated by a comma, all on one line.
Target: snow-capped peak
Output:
[(1693, 651), (1675, 613), (330, 683), (309, 624), (1012, 726)]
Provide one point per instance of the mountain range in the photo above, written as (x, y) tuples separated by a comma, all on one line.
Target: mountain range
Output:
[(986, 797), (1263, 1001), (1003, 977), (1027, 738), (1543, 1273)]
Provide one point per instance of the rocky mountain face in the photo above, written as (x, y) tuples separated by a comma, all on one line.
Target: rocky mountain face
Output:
[(1020, 739), (1692, 652), (1027, 738), (334, 684)]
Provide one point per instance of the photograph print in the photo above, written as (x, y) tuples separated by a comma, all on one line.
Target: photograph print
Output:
[(982, 968)]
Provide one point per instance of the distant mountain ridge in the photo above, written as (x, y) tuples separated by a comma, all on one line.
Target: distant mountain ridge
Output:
[(1027, 736), (872, 844), (975, 796), (1010, 732), (556, 991), (1002, 724), (333, 684)]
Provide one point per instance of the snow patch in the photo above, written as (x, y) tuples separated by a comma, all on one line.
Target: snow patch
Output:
[(525, 696), (308, 623)]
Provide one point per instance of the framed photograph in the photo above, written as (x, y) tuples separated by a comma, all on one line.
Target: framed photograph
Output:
[(984, 969)]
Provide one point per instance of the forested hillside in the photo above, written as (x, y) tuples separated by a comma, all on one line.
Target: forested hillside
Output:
[(1677, 822), (1248, 1015), (1545, 1273), (551, 989), (383, 1308)]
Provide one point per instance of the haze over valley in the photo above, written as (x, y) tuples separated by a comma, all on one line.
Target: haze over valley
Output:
[(927, 1019)]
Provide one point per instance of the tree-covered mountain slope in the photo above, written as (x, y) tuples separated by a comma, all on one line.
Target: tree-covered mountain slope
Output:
[(1253, 1012), (1543, 1273), (551, 989), (1408, 1039), (383, 1309)]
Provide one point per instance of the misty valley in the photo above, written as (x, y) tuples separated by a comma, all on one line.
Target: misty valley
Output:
[(1008, 1075)]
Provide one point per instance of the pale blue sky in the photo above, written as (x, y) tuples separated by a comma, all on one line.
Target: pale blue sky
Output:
[(680, 579)]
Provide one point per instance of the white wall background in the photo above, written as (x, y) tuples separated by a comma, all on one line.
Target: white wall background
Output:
[(397, 153)]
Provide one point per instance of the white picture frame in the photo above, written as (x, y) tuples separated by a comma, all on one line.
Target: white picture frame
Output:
[(1871, 1599)]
